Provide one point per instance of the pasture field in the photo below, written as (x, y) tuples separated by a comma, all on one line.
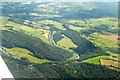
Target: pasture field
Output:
[(78, 22), (38, 33), (111, 22), (54, 23), (66, 43), (108, 43), (103, 21), (22, 53), (78, 29), (104, 42), (114, 56), (96, 60), (112, 63)]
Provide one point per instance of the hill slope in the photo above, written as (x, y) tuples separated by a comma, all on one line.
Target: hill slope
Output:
[(39, 48)]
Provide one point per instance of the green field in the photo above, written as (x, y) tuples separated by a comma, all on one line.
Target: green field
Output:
[(96, 60), (78, 22), (114, 56), (21, 53), (104, 42), (109, 46), (54, 23), (66, 43), (103, 21), (78, 29), (38, 33)]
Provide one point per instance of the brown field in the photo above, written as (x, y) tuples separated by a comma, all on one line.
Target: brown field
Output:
[(111, 37), (114, 37), (0, 24), (110, 63)]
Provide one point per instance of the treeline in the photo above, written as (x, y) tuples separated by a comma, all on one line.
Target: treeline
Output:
[(84, 46), (85, 49), (64, 70), (57, 36), (40, 49)]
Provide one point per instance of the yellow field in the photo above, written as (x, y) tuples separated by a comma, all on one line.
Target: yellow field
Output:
[(111, 37), (110, 63), (46, 32)]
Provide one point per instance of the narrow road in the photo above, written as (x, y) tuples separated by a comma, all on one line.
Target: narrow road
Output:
[(78, 57), (50, 38), (4, 71)]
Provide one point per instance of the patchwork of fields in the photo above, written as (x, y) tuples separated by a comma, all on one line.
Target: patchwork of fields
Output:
[(60, 40)]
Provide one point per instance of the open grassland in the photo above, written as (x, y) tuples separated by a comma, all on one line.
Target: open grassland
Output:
[(96, 60), (32, 39), (114, 56), (54, 23), (78, 22), (108, 44), (104, 42), (66, 43), (38, 33), (22, 53), (103, 21), (39, 48), (46, 32), (78, 29), (112, 63), (111, 22), (103, 25)]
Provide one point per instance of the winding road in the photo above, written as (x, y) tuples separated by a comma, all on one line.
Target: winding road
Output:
[(52, 43), (50, 38), (78, 57)]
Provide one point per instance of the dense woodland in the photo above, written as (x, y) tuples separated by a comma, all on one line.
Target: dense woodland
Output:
[(63, 70), (39, 48)]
